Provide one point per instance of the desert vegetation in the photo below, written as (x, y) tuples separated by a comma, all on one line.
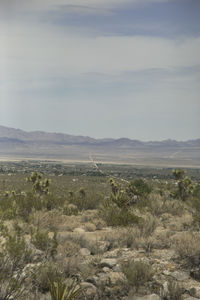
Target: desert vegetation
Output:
[(71, 232)]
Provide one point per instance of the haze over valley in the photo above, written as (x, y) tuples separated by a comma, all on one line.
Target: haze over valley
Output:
[(19, 144)]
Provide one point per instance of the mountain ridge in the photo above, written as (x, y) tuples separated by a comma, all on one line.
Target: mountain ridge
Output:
[(7, 133), (19, 144)]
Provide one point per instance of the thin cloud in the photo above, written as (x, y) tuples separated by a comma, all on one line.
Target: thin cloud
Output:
[(49, 51), (90, 6)]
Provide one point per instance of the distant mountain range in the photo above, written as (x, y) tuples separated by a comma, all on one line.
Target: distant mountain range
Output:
[(12, 135), (39, 144)]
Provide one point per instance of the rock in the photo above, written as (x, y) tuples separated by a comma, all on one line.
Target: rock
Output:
[(113, 253), (106, 269), (37, 255), (147, 297), (195, 292), (195, 260), (166, 272), (117, 268), (103, 279), (90, 290), (180, 276), (93, 279), (84, 252), (108, 262), (103, 246)]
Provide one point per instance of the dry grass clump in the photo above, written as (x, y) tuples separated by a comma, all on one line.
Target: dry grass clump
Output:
[(78, 241), (88, 215), (162, 238), (68, 249), (48, 220), (147, 225), (89, 227), (69, 266), (185, 222), (187, 244), (134, 237), (156, 204), (69, 223), (70, 210)]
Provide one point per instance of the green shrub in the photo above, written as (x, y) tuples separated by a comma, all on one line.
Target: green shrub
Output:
[(85, 199), (140, 187), (115, 216)]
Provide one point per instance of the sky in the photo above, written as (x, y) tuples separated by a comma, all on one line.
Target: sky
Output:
[(101, 68)]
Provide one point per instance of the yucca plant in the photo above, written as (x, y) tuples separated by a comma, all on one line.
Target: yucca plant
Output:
[(61, 291)]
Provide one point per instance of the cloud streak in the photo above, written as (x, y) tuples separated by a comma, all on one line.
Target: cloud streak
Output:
[(47, 51), (65, 63)]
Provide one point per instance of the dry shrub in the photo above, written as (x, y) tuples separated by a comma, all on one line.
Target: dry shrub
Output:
[(182, 223), (41, 274), (187, 245), (156, 203), (70, 266), (162, 239), (89, 227), (174, 207), (173, 291), (70, 210), (147, 225), (129, 237), (48, 220), (78, 241), (160, 205), (88, 215), (68, 249), (99, 223), (138, 273), (69, 223)]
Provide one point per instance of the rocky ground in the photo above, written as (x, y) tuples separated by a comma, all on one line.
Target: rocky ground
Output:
[(95, 255)]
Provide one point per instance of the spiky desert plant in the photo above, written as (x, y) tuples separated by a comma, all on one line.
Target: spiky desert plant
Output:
[(61, 291)]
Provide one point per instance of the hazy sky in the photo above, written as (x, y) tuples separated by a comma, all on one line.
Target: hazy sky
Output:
[(103, 68)]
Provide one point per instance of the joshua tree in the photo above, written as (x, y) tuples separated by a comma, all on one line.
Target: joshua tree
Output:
[(185, 184)]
